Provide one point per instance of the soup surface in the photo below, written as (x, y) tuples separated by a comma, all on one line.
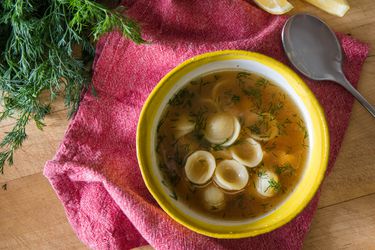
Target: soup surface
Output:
[(231, 144)]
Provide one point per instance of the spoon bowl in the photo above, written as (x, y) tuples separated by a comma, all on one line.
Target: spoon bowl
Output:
[(315, 51)]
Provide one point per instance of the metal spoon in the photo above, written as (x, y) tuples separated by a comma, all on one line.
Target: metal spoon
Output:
[(314, 50)]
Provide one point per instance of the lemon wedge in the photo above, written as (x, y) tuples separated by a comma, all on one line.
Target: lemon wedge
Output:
[(277, 7), (335, 7)]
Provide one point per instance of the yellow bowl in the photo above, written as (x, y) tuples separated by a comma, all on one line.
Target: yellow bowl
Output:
[(279, 74)]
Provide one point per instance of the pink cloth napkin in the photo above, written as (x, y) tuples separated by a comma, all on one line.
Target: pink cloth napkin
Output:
[(95, 171)]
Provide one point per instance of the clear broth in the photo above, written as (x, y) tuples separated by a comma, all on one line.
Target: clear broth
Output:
[(247, 96)]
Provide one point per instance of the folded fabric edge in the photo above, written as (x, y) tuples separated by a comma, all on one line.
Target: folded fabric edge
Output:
[(65, 176)]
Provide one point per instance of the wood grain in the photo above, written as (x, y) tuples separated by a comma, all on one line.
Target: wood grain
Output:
[(354, 172), (38, 148), (32, 217), (56, 105), (346, 225)]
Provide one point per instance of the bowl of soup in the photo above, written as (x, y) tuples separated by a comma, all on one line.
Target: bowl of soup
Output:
[(232, 144)]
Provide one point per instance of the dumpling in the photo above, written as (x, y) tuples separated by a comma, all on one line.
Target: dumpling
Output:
[(207, 105), (199, 167), (182, 125), (222, 128), (267, 183), (213, 198), (227, 96), (248, 152), (265, 128), (231, 175)]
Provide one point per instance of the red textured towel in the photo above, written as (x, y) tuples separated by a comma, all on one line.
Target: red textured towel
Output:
[(95, 172)]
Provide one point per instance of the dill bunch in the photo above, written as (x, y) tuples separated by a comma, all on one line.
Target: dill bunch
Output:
[(37, 38)]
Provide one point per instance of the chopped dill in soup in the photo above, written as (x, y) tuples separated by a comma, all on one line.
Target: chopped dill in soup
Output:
[(231, 145)]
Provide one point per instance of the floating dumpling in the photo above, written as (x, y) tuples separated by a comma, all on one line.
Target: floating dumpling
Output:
[(248, 152), (183, 125), (231, 175), (220, 93), (222, 128), (207, 105), (213, 198), (267, 183), (199, 167), (227, 95), (265, 128)]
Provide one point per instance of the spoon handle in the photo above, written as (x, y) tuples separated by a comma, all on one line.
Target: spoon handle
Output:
[(349, 87)]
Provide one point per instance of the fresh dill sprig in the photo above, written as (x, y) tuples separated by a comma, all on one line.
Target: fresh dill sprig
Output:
[(88, 12), (254, 129), (235, 98), (273, 184), (242, 77), (274, 108), (182, 98), (302, 127), (36, 56), (269, 146), (261, 173), (262, 82), (255, 94), (282, 126), (200, 119), (286, 169)]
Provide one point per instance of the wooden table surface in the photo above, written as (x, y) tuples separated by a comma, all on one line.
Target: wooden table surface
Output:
[(31, 216)]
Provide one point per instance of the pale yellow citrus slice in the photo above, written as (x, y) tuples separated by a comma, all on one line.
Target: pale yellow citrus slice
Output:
[(277, 7), (335, 7)]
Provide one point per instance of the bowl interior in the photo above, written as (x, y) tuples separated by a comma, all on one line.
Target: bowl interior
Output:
[(254, 63)]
